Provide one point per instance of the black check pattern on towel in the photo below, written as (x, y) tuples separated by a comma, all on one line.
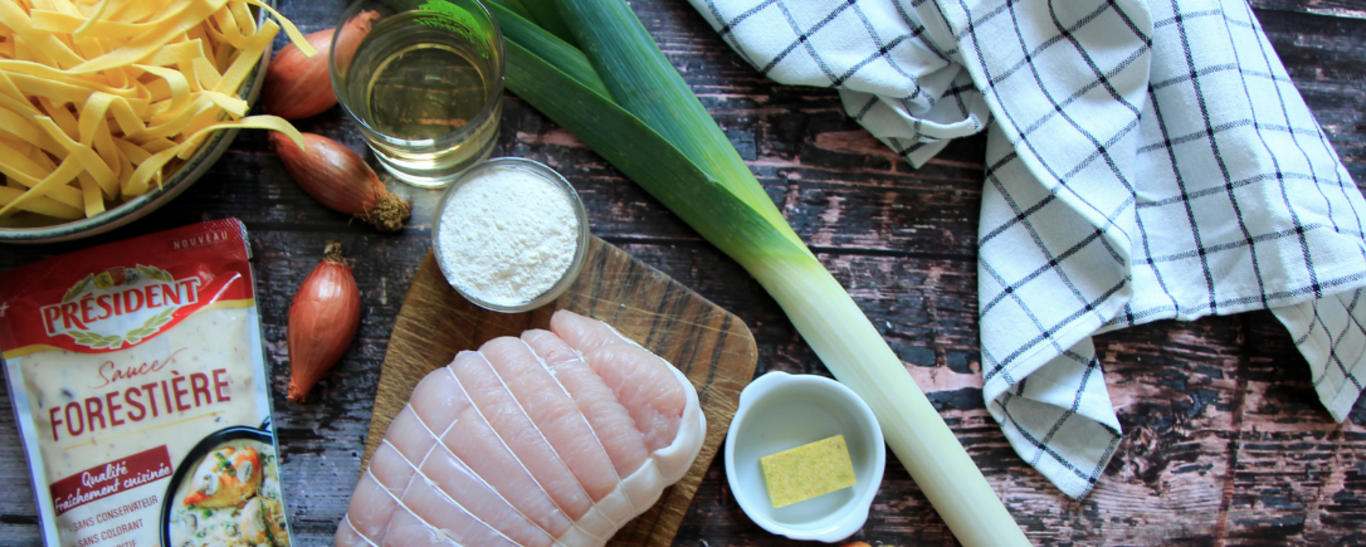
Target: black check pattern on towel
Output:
[(891, 76), (1145, 161)]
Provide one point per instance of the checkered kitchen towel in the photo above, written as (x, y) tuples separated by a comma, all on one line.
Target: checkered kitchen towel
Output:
[(1145, 161)]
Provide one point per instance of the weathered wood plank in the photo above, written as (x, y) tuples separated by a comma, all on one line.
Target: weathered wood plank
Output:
[(1351, 9), (1227, 442)]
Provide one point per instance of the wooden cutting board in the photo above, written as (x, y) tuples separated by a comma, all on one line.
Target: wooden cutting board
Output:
[(710, 345)]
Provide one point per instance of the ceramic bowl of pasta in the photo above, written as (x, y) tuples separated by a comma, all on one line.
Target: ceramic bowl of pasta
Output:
[(227, 494), (114, 125)]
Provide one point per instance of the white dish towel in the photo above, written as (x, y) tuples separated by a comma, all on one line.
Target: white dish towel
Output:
[(1145, 161)]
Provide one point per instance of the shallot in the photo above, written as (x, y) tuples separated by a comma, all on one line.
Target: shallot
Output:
[(338, 178), (298, 86), (323, 319)]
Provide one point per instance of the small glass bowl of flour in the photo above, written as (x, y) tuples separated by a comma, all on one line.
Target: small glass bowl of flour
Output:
[(511, 235)]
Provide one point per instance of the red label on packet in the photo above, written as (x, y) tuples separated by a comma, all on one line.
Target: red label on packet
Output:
[(81, 303), (141, 394), (111, 478)]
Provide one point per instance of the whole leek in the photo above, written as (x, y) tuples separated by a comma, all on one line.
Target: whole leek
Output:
[(654, 130)]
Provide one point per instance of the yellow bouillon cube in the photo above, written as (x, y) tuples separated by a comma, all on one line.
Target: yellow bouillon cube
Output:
[(807, 471)]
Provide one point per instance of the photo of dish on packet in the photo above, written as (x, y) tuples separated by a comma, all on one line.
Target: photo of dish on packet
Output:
[(227, 493), (140, 389)]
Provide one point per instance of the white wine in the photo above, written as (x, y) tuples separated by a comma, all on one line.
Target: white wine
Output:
[(428, 92)]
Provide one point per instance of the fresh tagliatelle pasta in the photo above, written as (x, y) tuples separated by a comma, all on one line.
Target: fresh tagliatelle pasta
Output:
[(100, 98)]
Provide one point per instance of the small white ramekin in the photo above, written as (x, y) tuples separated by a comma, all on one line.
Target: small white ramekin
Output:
[(779, 411)]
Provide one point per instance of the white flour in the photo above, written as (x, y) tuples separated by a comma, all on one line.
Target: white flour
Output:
[(507, 236)]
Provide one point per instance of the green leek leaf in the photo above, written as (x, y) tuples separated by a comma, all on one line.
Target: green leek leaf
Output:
[(618, 45), (655, 131), (543, 14), (642, 154), (515, 6), (555, 51)]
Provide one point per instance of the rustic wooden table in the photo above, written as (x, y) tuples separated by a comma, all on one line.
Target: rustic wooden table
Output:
[(1225, 441)]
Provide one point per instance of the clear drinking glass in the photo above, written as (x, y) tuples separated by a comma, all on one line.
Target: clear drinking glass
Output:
[(425, 84)]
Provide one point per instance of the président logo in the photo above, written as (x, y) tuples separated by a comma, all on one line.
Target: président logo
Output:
[(118, 306)]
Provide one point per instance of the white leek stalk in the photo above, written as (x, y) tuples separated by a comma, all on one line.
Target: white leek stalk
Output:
[(856, 354), (648, 124)]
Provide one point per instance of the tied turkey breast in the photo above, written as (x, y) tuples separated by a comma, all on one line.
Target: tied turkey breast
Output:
[(555, 438)]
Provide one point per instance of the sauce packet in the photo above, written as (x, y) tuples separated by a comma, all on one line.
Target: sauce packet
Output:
[(140, 388)]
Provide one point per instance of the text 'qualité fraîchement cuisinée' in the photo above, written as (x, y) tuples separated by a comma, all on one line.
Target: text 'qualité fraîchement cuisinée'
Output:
[(140, 388)]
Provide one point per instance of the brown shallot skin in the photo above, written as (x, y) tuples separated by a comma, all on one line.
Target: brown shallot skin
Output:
[(338, 178), (298, 86), (323, 319)]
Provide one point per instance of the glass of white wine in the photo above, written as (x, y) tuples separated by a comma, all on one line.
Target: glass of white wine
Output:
[(425, 84)]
